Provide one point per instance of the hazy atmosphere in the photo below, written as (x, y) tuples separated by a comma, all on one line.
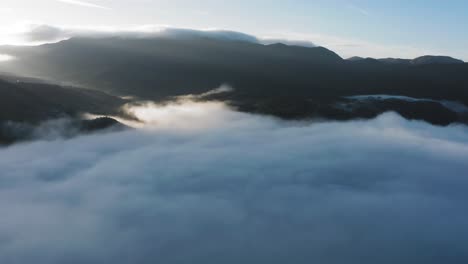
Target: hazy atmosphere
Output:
[(177, 132), (405, 29)]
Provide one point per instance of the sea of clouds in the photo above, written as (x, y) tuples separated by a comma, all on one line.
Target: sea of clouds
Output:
[(200, 183)]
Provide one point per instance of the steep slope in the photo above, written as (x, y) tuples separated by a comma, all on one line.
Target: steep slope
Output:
[(161, 67), (24, 105), (155, 68), (35, 102), (286, 81)]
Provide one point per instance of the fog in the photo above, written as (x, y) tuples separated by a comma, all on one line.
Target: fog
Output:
[(200, 183)]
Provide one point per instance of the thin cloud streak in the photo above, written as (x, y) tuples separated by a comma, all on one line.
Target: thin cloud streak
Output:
[(360, 10), (83, 3)]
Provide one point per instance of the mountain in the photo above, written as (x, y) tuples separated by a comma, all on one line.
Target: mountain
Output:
[(156, 68), (35, 102), (26, 104), (423, 60), (396, 61), (363, 61), (286, 81), (12, 132), (436, 60), (356, 58)]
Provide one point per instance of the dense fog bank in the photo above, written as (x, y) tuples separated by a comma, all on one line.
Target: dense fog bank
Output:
[(200, 183)]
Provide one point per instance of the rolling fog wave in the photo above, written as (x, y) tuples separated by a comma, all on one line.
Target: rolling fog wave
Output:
[(204, 184)]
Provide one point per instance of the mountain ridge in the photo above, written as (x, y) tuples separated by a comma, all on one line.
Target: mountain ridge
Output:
[(422, 60), (286, 81)]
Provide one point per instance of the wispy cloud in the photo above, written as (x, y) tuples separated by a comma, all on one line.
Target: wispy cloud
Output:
[(359, 9), (83, 3)]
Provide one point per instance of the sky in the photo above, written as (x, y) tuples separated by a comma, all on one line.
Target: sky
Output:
[(350, 27)]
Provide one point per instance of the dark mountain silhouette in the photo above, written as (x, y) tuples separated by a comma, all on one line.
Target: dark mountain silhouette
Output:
[(356, 58), (25, 104), (286, 81), (11, 132), (423, 60), (436, 60), (396, 61), (35, 102), (156, 68)]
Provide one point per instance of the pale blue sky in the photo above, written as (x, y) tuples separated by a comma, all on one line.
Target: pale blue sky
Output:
[(376, 28)]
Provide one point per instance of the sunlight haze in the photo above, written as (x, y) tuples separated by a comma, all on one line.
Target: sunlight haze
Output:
[(405, 29)]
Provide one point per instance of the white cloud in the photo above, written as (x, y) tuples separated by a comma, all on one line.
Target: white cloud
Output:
[(36, 33), (82, 3), (243, 189), (43, 33)]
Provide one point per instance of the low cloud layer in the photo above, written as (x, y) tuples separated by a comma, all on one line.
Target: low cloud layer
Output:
[(35, 34), (228, 187), (46, 33), (42, 33)]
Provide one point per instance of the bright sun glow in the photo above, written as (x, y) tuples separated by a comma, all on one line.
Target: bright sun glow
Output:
[(5, 57), (187, 115)]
